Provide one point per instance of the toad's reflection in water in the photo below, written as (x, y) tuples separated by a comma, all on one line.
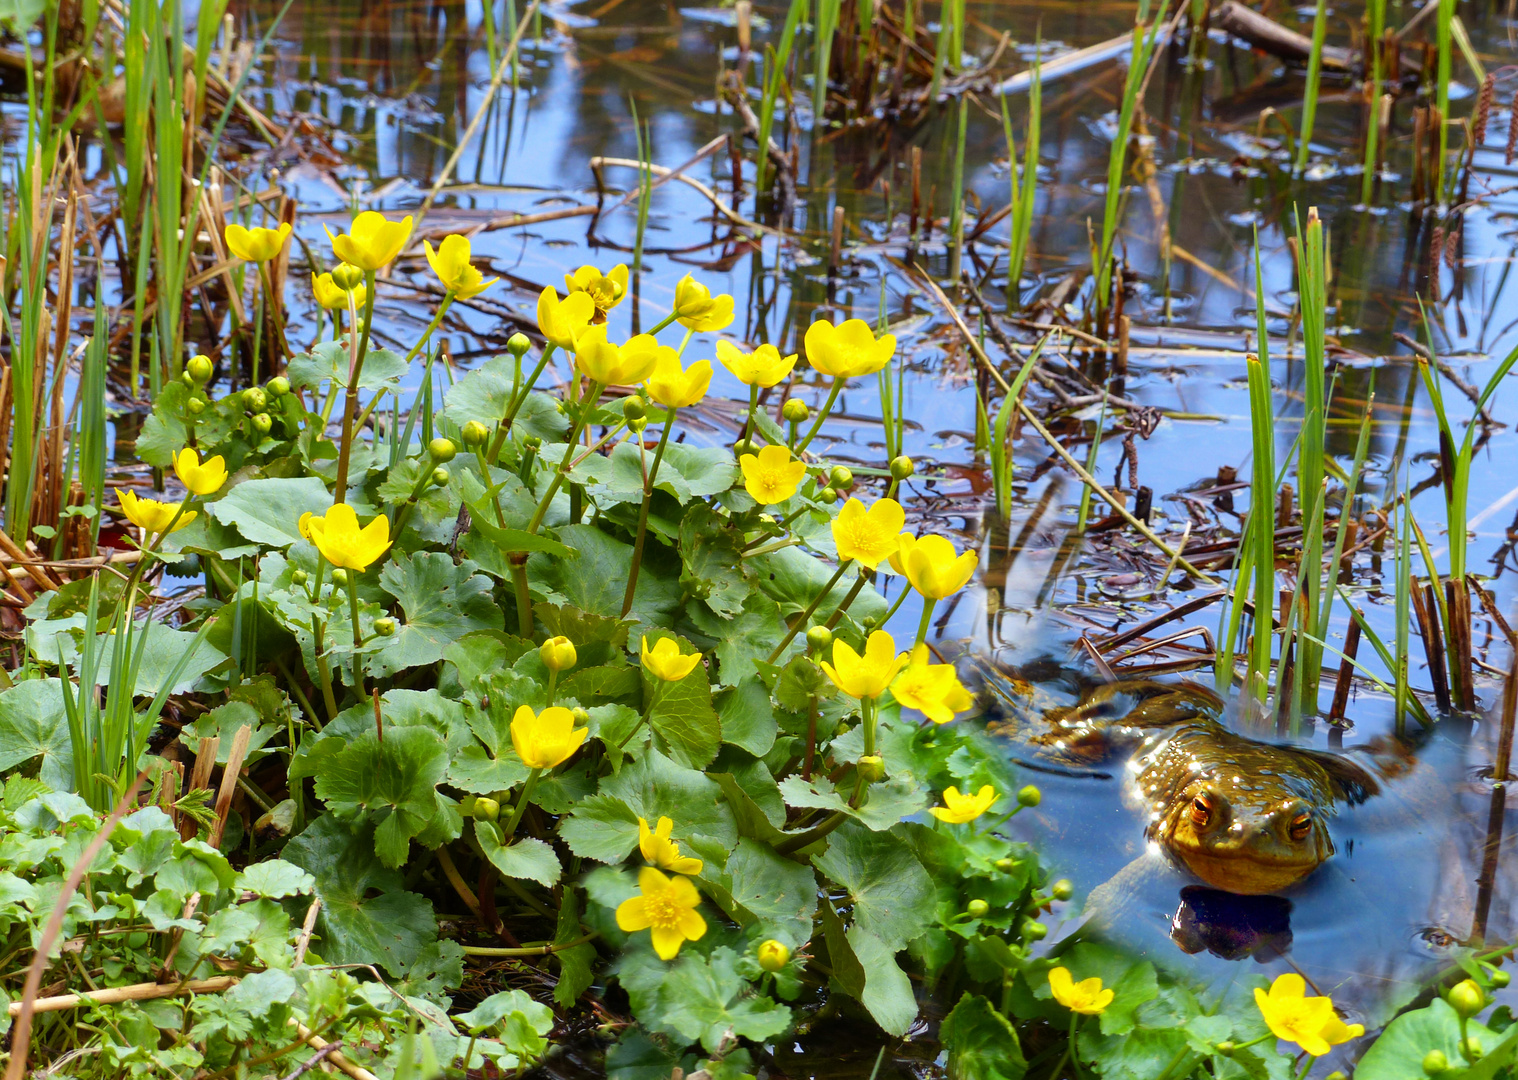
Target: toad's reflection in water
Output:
[(1230, 926)]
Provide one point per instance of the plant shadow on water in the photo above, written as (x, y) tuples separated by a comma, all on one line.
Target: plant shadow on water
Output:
[(378, 95)]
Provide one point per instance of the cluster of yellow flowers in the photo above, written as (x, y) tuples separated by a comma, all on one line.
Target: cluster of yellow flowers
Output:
[(157, 519), (665, 905)]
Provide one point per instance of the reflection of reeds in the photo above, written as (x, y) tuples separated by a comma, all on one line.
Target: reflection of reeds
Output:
[(776, 62), (1314, 78), (1024, 187), (1375, 24), (957, 194)]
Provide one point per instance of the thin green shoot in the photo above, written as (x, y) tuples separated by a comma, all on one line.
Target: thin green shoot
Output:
[(1024, 188), (777, 60), (825, 27), (957, 195), (1138, 64), (1375, 16), (1314, 78)]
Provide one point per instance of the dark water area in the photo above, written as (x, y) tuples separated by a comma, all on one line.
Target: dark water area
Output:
[(379, 95)]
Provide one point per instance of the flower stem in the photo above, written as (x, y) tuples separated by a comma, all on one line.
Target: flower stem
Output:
[(358, 637), (648, 495), (827, 407), (928, 604), (516, 815), (671, 317), (518, 399), (529, 950), (276, 308), (524, 601), (442, 309), (870, 708), (350, 399), (809, 612), (592, 396), (553, 682), (753, 407), (322, 668), (811, 836), (847, 600)]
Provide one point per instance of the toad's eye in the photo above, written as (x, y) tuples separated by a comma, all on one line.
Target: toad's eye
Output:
[(1301, 825), (1201, 811)]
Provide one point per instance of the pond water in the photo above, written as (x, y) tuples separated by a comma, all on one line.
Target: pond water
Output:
[(384, 90)]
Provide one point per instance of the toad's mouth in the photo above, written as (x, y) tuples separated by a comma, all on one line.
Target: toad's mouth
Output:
[(1246, 872)]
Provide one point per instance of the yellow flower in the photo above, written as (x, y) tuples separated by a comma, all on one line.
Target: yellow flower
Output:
[(1310, 1022), (867, 536), (664, 661), (342, 543), (675, 387), (619, 365), (958, 809), (450, 262), (332, 296), (564, 320), (547, 739), (150, 515), (667, 906), (605, 290), (932, 689), (762, 367), (372, 240), (256, 245), (773, 955), (849, 349), (202, 479), (772, 475), (697, 309), (931, 565), (663, 852), (865, 676), (304, 524), (558, 653), (1086, 996)]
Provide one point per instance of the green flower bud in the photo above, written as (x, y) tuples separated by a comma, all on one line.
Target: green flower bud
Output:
[(298, 578), (872, 768), (827, 496), (977, 909), (637, 425), (840, 477), (533, 442), (745, 446), (1006, 866), (795, 411), (340, 578), (347, 277), (1029, 796), (475, 433), (1434, 1063), (486, 809), (1063, 889), (518, 344), (262, 423), (1225, 1048), (384, 627), (819, 637), (581, 715), (200, 369), (187, 379), (869, 623), (1467, 998), (255, 399), (902, 467), (442, 450), (1473, 1048), (278, 386), (634, 407), (441, 476), (1033, 930), (773, 955), (1336, 1075), (195, 406), (1500, 978)]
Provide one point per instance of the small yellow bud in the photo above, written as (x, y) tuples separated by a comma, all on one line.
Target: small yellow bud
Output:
[(773, 955), (558, 653)]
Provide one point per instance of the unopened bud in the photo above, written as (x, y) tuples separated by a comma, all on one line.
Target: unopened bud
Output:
[(347, 277), (533, 442), (384, 627), (744, 447), (486, 809), (637, 424), (872, 768), (1467, 998), (255, 399), (581, 715), (773, 955), (475, 433), (827, 496), (634, 407), (1033, 930), (1435, 1063), (186, 378), (278, 386), (977, 909), (902, 467), (1473, 1049), (1029, 796), (1500, 978), (441, 476), (841, 477), (262, 423), (299, 578), (1225, 1048), (819, 637), (1006, 866), (340, 578), (195, 406), (795, 411), (558, 653), (518, 344), (442, 450), (200, 369), (1063, 889)]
